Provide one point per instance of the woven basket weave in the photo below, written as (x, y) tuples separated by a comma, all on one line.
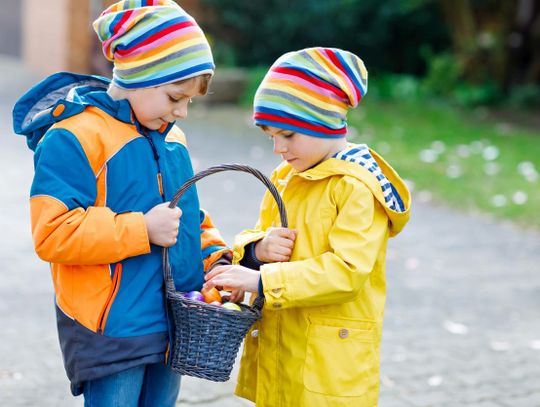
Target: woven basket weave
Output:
[(206, 338)]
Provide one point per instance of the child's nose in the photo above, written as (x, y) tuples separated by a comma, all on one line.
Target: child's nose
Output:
[(180, 111), (279, 146)]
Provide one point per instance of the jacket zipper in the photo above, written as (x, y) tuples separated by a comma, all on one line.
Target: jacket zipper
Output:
[(156, 158), (110, 299)]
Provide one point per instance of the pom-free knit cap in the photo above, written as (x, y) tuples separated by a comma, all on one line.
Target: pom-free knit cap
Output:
[(152, 42), (310, 91)]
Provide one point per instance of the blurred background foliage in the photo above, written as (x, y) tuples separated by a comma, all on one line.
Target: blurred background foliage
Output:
[(471, 52)]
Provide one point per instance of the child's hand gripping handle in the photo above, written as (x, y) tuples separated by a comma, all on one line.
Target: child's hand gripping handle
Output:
[(169, 282)]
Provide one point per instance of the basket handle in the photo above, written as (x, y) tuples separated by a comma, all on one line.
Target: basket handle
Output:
[(169, 282)]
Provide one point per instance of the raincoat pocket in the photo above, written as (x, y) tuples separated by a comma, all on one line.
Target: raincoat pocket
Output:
[(341, 357)]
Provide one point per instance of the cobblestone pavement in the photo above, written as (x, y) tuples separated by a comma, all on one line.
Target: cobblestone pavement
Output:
[(461, 327)]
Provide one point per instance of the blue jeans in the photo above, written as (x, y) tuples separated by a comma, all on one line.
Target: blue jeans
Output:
[(141, 386)]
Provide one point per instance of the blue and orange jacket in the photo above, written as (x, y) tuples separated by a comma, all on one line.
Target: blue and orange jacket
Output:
[(97, 171)]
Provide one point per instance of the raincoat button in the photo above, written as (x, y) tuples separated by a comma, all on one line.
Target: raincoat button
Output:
[(277, 305), (276, 290), (254, 333), (343, 333)]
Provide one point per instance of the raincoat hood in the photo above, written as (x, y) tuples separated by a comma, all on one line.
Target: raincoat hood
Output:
[(335, 166), (60, 96)]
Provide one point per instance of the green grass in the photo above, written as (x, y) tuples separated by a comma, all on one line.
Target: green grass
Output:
[(403, 132)]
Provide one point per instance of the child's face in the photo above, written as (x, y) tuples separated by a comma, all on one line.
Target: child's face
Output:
[(163, 104), (301, 151)]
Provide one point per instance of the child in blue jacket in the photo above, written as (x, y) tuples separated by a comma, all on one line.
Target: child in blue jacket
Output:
[(108, 158)]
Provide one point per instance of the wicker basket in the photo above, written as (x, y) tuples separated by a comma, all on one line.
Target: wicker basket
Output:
[(206, 338)]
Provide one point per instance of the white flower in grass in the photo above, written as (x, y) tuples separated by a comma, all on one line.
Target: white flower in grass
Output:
[(454, 171), (463, 150), (428, 156), (498, 201), (477, 147), (490, 153), (491, 168), (438, 146), (520, 197), (528, 171), (533, 177), (526, 167)]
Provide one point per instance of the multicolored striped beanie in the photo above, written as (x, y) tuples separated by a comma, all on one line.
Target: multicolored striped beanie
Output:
[(152, 42), (310, 91)]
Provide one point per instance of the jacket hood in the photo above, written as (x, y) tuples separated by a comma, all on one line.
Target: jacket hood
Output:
[(333, 166), (58, 97)]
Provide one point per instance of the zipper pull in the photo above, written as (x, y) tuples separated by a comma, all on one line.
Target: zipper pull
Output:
[(160, 184)]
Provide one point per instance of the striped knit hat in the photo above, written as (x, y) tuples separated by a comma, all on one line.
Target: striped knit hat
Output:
[(310, 91), (152, 42)]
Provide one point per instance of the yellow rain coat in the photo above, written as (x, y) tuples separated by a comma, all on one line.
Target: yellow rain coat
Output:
[(318, 342)]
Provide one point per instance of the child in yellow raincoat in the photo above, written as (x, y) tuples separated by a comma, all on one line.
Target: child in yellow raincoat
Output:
[(323, 280)]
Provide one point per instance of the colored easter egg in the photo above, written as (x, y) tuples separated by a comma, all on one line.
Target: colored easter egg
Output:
[(216, 303), (211, 295), (194, 295), (232, 306)]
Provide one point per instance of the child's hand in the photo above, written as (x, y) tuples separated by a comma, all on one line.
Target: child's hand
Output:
[(276, 246), (162, 224), (235, 296), (235, 278)]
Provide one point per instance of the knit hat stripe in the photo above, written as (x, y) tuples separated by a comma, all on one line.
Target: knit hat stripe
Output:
[(153, 35), (307, 87), (276, 111), (309, 77), (146, 25), (152, 53), (167, 65), (362, 74), (309, 59), (152, 43), (310, 91), (360, 86), (301, 103), (343, 81), (163, 80), (306, 111), (279, 120), (347, 76), (322, 99)]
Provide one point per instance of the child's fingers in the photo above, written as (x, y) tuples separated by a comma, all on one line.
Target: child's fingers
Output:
[(286, 233), (216, 271)]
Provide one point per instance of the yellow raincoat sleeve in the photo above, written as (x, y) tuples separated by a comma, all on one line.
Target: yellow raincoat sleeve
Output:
[(337, 275)]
